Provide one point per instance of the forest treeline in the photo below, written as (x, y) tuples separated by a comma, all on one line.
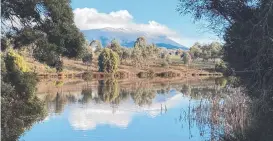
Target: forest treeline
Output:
[(247, 29)]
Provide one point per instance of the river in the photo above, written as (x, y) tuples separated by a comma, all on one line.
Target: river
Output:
[(109, 110)]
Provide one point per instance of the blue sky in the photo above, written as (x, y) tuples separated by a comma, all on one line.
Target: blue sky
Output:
[(153, 16)]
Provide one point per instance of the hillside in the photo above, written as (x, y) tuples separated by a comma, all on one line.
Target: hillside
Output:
[(127, 37)]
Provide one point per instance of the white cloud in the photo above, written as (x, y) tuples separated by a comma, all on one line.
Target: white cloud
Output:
[(92, 115), (90, 18)]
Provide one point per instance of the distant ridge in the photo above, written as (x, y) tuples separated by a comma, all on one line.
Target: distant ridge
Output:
[(127, 37)]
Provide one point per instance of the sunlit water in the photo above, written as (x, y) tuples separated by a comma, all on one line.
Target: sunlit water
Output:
[(162, 117)]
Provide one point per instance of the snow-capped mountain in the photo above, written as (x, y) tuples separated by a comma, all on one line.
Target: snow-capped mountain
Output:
[(127, 37)]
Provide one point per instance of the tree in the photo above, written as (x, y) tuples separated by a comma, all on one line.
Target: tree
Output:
[(16, 61), (247, 29), (108, 90), (206, 52), (49, 25), (186, 58), (143, 96), (221, 67), (87, 59), (216, 50), (115, 46), (196, 51), (108, 61), (137, 56), (140, 43), (126, 54), (97, 45)]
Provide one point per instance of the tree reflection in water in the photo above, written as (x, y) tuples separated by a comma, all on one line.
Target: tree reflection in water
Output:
[(218, 109), (18, 114), (108, 91)]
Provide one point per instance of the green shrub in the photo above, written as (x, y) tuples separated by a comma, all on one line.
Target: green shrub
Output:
[(108, 61), (221, 67), (13, 59), (87, 59), (59, 66)]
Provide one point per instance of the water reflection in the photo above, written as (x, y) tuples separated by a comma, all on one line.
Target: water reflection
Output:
[(219, 110), (18, 114), (204, 110)]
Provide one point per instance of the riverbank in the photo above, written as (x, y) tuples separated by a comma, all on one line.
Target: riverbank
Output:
[(74, 85), (76, 69)]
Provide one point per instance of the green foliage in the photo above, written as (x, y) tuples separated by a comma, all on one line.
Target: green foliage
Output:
[(87, 59), (97, 45), (115, 46), (59, 66), (143, 51), (140, 43), (247, 28), (108, 61), (108, 90), (13, 59), (216, 50), (221, 67), (137, 56), (87, 95), (125, 54), (248, 31), (49, 25), (221, 81), (186, 58), (207, 51), (20, 107), (196, 51), (143, 96), (18, 114)]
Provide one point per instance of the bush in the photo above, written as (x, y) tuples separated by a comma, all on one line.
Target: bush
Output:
[(59, 66), (186, 58), (221, 81), (221, 67), (87, 59), (13, 59), (108, 61)]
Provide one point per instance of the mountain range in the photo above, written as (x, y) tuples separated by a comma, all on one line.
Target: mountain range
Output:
[(127, 37)]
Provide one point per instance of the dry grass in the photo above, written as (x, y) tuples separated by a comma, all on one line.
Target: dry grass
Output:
[(76, 67)]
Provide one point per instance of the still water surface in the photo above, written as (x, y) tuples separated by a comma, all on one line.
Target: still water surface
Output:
[(109, 111)]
